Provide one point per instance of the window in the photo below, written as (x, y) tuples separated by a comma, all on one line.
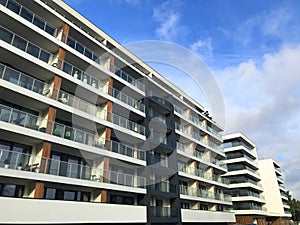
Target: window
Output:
[(79, 47), (33, 50), (2, 2), (19, 43), (1, 70), (88, 53), (71, 42), (11, 75), (11, 190), (49, 29), (69, 195), (5, 35), (38, 22), (13, 6), (44, 56), (26, 14)]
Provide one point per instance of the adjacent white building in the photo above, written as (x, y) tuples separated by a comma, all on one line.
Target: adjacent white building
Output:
[(274, 190)]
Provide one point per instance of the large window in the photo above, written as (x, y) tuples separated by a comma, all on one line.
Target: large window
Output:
[(69, 195), (117, 199), (11, 190)]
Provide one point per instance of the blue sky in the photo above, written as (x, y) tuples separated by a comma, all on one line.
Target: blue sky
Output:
[(251, 46)]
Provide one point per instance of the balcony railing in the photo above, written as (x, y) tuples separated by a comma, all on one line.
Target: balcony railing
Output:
[(100, 85), (158, 160), (29, 16), (248, 207), (157, 211), (204, 194), (197, 122), (25, 162), (200, 173), (235, 144), (20, 118), (163, 186), (248, 194), (24, 45), (198, 137), (103, 62), (190, 151)]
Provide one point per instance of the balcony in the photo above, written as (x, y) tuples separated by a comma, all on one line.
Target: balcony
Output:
[(100, 85), (204, 194), (235, 144), (190, 151), (33, 122), (103, 62), (24, 45), (29, 16), (163, 186), (157, 211), (158, 161), (197, 122), (26, 162), (200, 173)]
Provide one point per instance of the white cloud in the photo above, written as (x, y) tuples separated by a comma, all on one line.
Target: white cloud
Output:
[(168, 16), (264, 103), (203, 48)]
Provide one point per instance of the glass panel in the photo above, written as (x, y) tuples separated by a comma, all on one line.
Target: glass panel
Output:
[(67, 68), (79, 47), (19, 43), (69, 195), (8, 190), (13, 6), (1, 70), (11, 76), (71, 42), (26, 82), (38, 22), (50, 193), (26, 14), (58, 129), (49, 29), (5, 35), (38, 86), (88, 53), (2, 2), (4, 114), (33, 50), (44, 56)]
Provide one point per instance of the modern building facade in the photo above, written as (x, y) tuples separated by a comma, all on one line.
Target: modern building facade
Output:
[(245, 182), (257, 190), (275, 192), (89, 133)]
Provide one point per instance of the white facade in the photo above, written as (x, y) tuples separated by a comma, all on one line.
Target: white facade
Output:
[(274, 191)]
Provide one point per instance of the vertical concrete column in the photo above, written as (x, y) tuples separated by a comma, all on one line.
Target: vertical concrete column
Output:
[(46, 149)]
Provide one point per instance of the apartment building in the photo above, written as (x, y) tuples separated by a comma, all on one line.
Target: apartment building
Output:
[(89, 133), (275, 192), (245, 181)]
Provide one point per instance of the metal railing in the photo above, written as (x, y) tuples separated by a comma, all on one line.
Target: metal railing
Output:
[(190, 151), (196, 121), (200, 173), (204, 194), (20, 118), (24, 45), (29, 16), (27, 162)]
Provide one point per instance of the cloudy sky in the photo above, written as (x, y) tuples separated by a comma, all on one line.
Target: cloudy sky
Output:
[(251, 46)]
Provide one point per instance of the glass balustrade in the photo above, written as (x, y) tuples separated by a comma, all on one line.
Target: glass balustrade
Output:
[(158, 160), (100, 85), (24, 45), (103, 62), (197, 122), (20, 118), (200, 173), (29, 16), (158, 211), (163, 186), (25, 162), (125, 76), (204, 194), (198, 137), (37, 86)]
